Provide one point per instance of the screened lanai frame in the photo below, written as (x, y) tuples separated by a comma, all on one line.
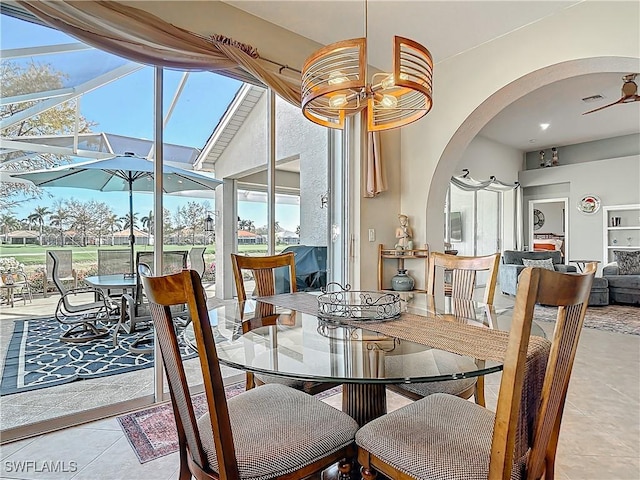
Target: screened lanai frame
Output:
[(97, 146)]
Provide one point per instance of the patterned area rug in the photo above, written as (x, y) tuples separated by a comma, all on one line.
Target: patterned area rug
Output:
[(36, 358), (612, 318), (152, 432)]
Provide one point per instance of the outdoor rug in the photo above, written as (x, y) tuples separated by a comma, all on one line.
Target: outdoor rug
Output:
[(36, 358), (612, 318), (152, 432)]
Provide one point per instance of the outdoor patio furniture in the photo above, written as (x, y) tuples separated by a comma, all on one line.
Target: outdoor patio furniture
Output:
[(111, 262), (134, 311), (82, 318), (443, 436), (269, 432), (65, 268)]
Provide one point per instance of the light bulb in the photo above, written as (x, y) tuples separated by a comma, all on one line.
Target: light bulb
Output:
[(389, 101), (338, 100), (390, 80), (337, 77)]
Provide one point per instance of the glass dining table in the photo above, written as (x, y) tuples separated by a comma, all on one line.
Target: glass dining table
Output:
[(283, 336)]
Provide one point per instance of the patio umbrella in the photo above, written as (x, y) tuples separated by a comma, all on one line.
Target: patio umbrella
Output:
[(121, 173)]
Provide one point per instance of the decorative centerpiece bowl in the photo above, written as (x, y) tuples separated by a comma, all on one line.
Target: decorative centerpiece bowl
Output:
[(343, 303)]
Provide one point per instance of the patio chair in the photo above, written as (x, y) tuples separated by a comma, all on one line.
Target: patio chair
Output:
[(65, 268), (134, 312), (83, 319), (269, 432), (443, 436), (23, 287), (196, 260), (263, 269), (113, 262), (461, 272)]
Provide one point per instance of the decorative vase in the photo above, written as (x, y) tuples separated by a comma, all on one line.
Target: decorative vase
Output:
[(402, 282)]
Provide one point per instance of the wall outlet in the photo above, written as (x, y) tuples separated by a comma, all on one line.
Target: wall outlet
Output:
[(372, 235)]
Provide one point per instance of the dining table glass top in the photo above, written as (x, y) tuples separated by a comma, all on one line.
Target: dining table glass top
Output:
[(268, 338)]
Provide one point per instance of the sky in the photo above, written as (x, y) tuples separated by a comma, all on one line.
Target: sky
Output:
[(125, 107)]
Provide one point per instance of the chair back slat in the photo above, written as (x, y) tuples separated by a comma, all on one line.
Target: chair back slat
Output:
[(186, 288), (463, 274), (570, 293), (572, 308), (263, 273)]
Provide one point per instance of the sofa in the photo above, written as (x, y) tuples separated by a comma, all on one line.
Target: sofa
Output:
[(512, 265), (622, 288)]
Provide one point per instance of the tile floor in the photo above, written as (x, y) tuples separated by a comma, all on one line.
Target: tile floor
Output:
[(599, 440)]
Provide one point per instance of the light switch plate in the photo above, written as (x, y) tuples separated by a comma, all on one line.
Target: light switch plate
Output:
[(372, 235)]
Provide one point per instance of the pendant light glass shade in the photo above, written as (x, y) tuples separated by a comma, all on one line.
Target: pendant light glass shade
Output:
[(334, 85)]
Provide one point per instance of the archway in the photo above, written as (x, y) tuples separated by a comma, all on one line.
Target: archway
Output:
[(487, 110)]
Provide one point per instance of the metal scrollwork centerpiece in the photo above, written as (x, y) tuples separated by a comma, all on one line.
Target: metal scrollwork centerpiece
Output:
[(343, 303)]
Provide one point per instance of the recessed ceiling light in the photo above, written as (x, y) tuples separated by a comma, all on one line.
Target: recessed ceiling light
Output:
[(533, 140), (544, 126)]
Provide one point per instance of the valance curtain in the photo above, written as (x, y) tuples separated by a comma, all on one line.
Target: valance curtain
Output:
[(468, 184), (144, 38)]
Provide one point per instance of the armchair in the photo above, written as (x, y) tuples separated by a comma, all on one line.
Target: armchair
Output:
[(83, 318), (512, 265)]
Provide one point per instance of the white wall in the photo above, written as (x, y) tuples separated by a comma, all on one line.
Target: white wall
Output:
[(560, 46), (615, 181)]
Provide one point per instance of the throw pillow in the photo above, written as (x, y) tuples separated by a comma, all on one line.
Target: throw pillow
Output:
[(628, 261), (544, 263)]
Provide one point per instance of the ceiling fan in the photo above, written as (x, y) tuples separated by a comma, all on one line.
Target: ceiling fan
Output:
[(629, 93)]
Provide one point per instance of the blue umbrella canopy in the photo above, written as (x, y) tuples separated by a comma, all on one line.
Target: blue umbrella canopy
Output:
[(123, 173)]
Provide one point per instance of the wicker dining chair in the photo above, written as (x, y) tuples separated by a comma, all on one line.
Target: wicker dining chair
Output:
[(443, 436), (462, 272), (263, 270), (269, 432)]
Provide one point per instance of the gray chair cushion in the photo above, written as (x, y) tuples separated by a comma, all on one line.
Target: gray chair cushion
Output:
[(445, 362), (440, 437), (276, 431)]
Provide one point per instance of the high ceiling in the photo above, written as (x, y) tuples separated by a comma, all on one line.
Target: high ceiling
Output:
[(448, 28)]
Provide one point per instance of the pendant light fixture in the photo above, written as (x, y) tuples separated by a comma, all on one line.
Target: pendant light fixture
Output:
[(335, 84)]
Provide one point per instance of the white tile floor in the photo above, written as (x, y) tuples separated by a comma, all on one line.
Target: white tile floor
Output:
[(600, 436)]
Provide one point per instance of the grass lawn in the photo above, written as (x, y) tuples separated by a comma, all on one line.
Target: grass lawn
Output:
[(33, 256)]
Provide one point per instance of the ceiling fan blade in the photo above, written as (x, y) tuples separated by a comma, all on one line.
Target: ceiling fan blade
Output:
[(620, 100)]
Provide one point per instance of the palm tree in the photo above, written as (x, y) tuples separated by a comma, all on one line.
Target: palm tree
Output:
[(9, 223), (127, 221), (38, 217), (147, 222), (60, 218), (112, 223)]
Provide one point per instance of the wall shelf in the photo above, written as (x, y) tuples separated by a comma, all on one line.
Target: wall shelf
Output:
[(401, 256), (623, 234)]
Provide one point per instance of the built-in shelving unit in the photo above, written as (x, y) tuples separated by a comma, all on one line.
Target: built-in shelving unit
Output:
[(621, 227), (400, 257)]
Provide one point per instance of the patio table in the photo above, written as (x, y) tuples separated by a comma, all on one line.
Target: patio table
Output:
[(117, 281)]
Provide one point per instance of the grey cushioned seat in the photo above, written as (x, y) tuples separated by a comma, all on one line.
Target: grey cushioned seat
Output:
[(445, 362), (440, 437), (294, 430)]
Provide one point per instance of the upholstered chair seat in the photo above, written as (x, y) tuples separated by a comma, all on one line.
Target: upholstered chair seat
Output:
[(452, 435), (294, 430)]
